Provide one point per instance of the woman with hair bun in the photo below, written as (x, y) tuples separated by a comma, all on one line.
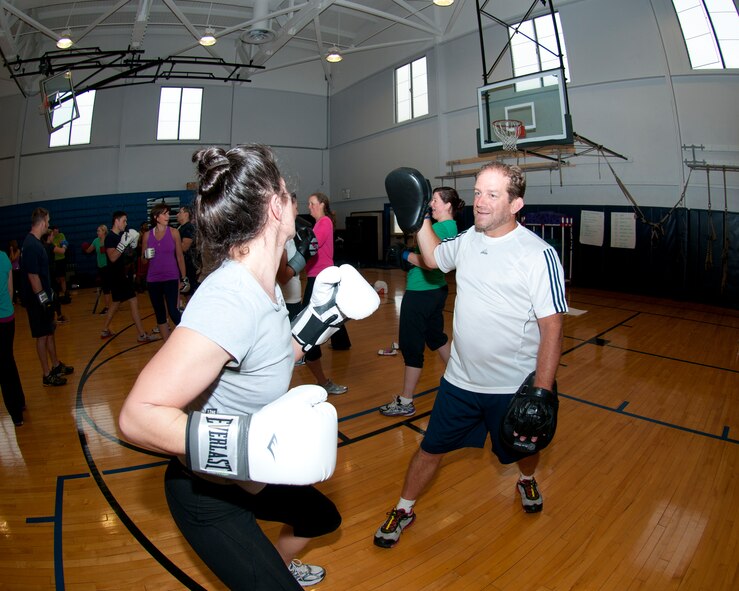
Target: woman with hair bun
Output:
[(229, 363), (422, 308)]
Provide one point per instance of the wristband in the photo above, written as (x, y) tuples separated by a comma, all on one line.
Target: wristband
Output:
[(216, 444)]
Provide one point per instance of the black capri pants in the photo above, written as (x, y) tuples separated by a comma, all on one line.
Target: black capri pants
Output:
[(422, 323), (219, 522)]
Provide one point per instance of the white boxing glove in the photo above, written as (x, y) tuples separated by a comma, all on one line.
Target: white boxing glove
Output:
[(128, 238), (134, 238), (290, 441), (339, 293)]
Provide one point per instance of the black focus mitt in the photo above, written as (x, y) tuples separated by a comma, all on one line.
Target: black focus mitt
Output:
[(531, 413), (409, 193)]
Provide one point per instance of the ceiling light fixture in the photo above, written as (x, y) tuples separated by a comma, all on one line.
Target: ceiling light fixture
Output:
[(443, 2), (208, 39), (65, 41), (334, 55)]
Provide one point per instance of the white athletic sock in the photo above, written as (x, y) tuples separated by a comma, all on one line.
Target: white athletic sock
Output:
[(404, 400), (524, 477), (406, 505)]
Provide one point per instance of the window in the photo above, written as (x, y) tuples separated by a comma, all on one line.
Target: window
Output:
[(78, 130), (179, 113), (534, 49), (411, 91), (711, 32)]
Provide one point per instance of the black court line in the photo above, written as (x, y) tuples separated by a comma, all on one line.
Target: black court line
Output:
[(620, 409), (144, 541), (408, 422)]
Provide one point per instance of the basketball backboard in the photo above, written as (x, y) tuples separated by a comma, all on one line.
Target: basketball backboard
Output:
[(58, 100), (539, 100)]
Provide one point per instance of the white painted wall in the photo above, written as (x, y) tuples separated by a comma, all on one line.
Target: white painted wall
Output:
[(631, 90)]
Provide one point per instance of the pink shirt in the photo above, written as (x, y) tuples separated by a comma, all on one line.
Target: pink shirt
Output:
[(324, 231)]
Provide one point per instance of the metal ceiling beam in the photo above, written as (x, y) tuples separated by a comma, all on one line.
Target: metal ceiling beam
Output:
[(305, 15), (28, 20), (7, 41), (140, 23), (391, 17), (100, 19)]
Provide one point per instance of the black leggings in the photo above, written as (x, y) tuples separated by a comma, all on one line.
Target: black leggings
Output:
[(163, 296), (219, 522)]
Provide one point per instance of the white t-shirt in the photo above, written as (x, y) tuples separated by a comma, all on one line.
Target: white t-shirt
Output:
[(231, 309), (292, 290), (503, 285)]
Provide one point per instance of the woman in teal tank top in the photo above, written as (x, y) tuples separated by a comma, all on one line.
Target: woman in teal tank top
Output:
[(422, 308)]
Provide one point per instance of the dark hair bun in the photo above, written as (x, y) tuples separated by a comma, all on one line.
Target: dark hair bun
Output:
[(212, 165)]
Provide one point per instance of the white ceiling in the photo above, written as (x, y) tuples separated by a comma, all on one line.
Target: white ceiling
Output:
[(299, 32)]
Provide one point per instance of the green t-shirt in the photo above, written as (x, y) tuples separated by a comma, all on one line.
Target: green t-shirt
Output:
[(423, 279), (102, 257), (58, 239)]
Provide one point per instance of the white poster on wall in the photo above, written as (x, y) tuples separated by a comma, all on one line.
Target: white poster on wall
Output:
[(623, 230), (591, 227)]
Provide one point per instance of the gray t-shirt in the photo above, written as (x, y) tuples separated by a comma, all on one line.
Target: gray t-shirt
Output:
[(231, 309)]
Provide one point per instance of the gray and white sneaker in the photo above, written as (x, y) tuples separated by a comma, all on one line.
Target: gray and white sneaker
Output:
[(531, 499), (306, 574), (389, 532), (332, 388), (397, 409)]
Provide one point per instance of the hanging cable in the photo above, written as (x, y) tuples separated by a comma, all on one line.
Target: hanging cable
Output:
[(725, 250), (711, 229)]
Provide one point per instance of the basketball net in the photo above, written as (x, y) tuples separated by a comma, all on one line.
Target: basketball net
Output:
[(508, 132)]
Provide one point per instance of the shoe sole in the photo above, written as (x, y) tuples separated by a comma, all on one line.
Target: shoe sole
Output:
[(383, 543), (397, 414)]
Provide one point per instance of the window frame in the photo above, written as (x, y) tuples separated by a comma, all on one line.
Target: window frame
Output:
[(413, 96), (534, 40), (708, 17), (67, 131), (179, 113)]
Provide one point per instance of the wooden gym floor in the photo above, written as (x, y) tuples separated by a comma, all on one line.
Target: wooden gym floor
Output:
[(641, 485)]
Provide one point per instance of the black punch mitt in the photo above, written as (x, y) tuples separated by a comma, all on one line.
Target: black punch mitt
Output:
[(409, 193), (531, 413)]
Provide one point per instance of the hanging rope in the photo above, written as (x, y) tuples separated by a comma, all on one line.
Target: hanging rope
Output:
[(657, 227), (711, 230)]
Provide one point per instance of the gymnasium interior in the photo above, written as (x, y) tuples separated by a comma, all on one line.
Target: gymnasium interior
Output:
[(625, 123)]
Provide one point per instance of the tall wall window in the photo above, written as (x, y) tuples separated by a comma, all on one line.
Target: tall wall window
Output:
[(179, 113), (711, 32), (534, 49), (78, 130), (411, 91)]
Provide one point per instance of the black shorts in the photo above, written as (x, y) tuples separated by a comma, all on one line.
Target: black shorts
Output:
[(104, 275), (121, 286), (461, 418), (60, 268), (40, 319), (422, 323)]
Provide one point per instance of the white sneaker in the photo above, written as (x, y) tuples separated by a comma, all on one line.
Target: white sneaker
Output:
[(306, 574)]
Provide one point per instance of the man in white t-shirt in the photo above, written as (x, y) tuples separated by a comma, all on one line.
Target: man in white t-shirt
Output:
[(508, 319)]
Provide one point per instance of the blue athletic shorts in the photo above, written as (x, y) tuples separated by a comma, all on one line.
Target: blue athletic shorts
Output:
[(461, 418)]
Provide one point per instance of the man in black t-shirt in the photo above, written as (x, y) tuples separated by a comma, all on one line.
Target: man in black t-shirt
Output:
[(189, 246), (120, 246), (38, 297)]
